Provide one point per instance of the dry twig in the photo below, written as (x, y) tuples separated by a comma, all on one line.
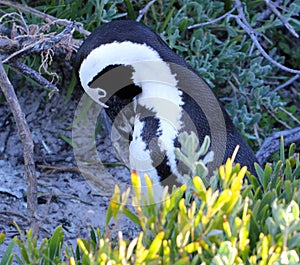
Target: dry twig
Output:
[(272, 143), (214, 20), (46, 17), (242, 21), (267, 12), (23, 40), (145, 10), (287, 83), (18, 41), (27, 143), (44, 44), (289, 27), (24, 69), (240, 18)]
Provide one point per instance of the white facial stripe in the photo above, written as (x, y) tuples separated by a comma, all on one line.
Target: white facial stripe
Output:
[(125, 53), (160, 93)]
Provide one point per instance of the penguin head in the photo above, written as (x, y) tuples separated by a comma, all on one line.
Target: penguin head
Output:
[(119, 31), (124, 45)]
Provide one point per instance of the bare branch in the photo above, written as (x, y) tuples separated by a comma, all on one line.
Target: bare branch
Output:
[(29, 72), (267, 12), (289, 27), (287, 83), (242, 21), (7, 45), (272, 143), (37, 43), (143, 11), (46, 17), (214, 20), (42, 44), (290, 115), (27, 143)]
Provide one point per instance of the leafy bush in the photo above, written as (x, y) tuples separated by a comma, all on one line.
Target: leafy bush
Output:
[(222, 52), (231, 222), (216, 220)]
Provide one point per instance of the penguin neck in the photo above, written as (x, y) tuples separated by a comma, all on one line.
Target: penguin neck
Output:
[(149, 72)]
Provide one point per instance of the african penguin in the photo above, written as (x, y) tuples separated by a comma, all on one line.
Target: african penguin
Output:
[(152, 95)]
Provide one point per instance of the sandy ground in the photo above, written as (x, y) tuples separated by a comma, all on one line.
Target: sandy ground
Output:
[(65, 197)]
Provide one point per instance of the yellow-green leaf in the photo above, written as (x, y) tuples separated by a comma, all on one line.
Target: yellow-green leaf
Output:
[(192, 247), (150, 189), (136, 183), (155, 245)]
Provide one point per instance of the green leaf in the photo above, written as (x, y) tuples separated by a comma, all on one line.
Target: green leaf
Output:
[(136, 183), (182, 261), (114, 206), (2, 237), (267, 176), (192, 247), (294, 209), (55, 244), (168, 17), (151, 200), (281, 153), (71, 87), (201, 170), (224, 198), (130, 10), (132, 216), (205, 145), (296, 172), (294, 241), (8, 254), (93, 234), (267, 199), (226, 254), (288, 172), (288, 189), (183, 24), (68, 140), (292, 149), (259, 172), (155, 245), (200, 188)]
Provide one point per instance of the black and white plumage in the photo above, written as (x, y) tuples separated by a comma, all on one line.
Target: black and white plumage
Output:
[(160, 96)]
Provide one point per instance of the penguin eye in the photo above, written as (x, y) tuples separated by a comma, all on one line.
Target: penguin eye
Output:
[(116, 80), (129, 92)]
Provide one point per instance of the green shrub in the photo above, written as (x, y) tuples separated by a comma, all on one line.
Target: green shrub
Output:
[(222, 52), (240, 223), (198, 223)]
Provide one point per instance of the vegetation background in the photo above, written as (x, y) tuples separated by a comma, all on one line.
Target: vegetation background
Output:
[(249, 54)]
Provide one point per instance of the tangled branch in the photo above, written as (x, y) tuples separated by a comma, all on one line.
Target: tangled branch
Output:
[(240, 18), (46, 17), (18, 39), (271, 144)]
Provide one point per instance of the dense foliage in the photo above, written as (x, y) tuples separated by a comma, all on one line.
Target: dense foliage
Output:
[(222, 52), (213, 219), (229, 221)]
